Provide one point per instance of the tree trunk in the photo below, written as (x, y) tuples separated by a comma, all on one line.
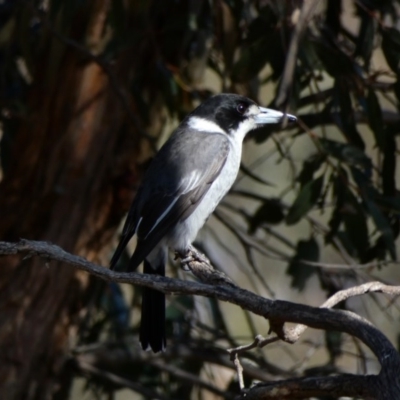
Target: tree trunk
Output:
[(61, 186)]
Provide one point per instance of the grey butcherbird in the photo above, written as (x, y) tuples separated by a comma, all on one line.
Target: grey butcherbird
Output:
[(186, 180)]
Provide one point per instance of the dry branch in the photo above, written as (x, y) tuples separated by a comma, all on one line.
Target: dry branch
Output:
[(385, 385)]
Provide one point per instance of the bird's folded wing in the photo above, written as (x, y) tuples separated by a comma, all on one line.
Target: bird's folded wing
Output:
[(172, 188)]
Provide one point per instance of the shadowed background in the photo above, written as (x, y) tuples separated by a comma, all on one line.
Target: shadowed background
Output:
[(89, 90)]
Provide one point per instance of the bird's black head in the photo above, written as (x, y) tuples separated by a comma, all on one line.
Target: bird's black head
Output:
[(226, 110), (233, 114)]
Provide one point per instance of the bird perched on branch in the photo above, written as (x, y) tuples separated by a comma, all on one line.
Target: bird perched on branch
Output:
[(187, 179)]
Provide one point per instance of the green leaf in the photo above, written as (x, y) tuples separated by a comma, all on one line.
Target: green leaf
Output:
[(263, 44), (276, 55), (346, 243), (262, 25), (389, 165), (383, 226), (365, 38), (305, 201), (396, 89), (339, 192), (310, 166), (333, 59), (363, 180), (375, 119), (308, 55), (306, 250), (333, 16), (391, 48), (377, 251), (271, 212), (372, 198), (355, 222), (391, 204), (348, 153), (347, 121), (252, 60)]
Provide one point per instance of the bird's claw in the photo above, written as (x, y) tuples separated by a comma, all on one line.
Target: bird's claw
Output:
[(191, 256), (187, 259)]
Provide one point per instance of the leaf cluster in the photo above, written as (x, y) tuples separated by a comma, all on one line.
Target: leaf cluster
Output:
[(344, 194)]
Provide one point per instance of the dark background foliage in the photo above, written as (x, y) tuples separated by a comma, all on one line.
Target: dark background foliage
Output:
[(90, 89)]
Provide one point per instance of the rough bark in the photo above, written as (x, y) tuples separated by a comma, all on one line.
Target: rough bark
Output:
[(383, 386), (62, 185)]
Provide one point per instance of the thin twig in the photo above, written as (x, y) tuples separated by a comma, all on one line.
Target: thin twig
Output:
[(307, 10), (278, 312), (239, 371), (119, 381)]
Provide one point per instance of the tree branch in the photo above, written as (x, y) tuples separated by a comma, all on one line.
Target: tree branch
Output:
[(386, 385), (304, 388), (307, 10)]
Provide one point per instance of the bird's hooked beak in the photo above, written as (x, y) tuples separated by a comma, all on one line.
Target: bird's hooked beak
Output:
[(268, 116)]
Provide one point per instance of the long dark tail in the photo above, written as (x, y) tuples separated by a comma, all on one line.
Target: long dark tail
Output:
[(152, 326)]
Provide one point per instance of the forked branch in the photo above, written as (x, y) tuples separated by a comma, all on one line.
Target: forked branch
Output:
[(385, 385)]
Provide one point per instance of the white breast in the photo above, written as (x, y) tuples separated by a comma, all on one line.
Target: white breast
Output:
[(185, 232)]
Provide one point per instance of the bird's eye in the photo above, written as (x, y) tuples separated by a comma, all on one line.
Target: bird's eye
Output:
[(241, 108)]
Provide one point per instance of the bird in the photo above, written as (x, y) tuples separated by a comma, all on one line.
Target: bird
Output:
[(183, 185)]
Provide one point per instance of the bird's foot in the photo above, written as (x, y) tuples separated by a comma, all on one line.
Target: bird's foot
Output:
[(189, 256), (200, 266)]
